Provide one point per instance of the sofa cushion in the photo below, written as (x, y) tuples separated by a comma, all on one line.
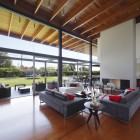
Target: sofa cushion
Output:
[(115, 98), (61, 96), (128, 97), (70, 96)]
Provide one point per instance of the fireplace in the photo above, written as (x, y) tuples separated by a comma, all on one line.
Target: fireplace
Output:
[(119, 83)]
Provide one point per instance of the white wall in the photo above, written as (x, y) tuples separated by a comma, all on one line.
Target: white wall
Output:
[(138, 50), (138, 40), (118, 52)]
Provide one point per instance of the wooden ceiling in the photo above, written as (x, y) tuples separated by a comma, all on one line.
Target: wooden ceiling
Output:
[(31, 20)]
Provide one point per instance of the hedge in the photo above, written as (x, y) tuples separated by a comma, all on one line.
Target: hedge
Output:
[(9, 72)]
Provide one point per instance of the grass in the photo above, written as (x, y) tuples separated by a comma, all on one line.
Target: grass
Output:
[(16, 80)]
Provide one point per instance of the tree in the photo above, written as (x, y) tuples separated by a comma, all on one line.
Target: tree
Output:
[(5, 62), (65, 67), (72, 67), (83, 68)]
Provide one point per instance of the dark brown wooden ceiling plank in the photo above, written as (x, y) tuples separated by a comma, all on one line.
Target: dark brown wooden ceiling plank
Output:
[(25, 28), (120, 11), (38, 6), (10, 24), (70, 42), (38, 30), (56, 40), (113, 24), (69, 38), (74, 47), (78, 41), (53, 39), (15, 1), (50, 32), (96, 36), (78, 10), (58, 8), (79, 48), (88, 18)]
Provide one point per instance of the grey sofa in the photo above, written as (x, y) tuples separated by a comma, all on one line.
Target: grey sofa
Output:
[(5, 92), (124, 109), (61, 102)]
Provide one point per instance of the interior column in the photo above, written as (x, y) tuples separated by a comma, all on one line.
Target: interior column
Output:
[(60, 58)]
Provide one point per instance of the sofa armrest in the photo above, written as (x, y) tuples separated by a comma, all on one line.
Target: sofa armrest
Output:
[(73, 106), (118, 110)]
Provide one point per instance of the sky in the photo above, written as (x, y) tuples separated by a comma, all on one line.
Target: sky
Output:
[(18, 44)]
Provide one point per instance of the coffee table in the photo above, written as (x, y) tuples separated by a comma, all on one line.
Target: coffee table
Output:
[(94, 111)]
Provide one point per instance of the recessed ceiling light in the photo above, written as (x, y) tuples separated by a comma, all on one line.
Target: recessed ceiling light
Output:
[(137, 9)]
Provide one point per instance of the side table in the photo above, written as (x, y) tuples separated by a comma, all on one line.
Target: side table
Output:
[(94, 111)]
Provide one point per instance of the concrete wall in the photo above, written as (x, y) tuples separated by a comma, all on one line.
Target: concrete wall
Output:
[(138, 50), (118, 52)]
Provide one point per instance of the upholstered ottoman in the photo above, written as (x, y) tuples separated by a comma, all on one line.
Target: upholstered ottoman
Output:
[(24, 90)]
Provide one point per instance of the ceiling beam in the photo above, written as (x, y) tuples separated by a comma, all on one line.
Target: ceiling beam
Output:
[(101, 10), (38, 30), (38, 6), (67, 40), (74, 47), (71, 44), (114, 23), (96, 36), (50, 32), (58, 8), (56, 39), (11, 19), (78, 10), (103, 20), (53, 39), (25, 27), (15, 1), (79, 48)]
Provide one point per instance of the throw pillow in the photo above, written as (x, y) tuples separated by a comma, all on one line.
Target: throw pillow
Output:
[(131, 89), (70, 96), (127, 91), (115, 98)]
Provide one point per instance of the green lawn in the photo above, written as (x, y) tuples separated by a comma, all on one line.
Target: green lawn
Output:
[(15, 80)]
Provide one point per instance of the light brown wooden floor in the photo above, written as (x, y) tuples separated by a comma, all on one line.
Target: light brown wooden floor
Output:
[(24, 119)]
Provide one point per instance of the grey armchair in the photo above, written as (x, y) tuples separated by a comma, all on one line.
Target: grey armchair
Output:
[(5, 92)]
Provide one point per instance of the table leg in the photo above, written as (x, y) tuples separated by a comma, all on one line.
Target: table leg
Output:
[(97, 117), (95, 121), (89, 115)]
